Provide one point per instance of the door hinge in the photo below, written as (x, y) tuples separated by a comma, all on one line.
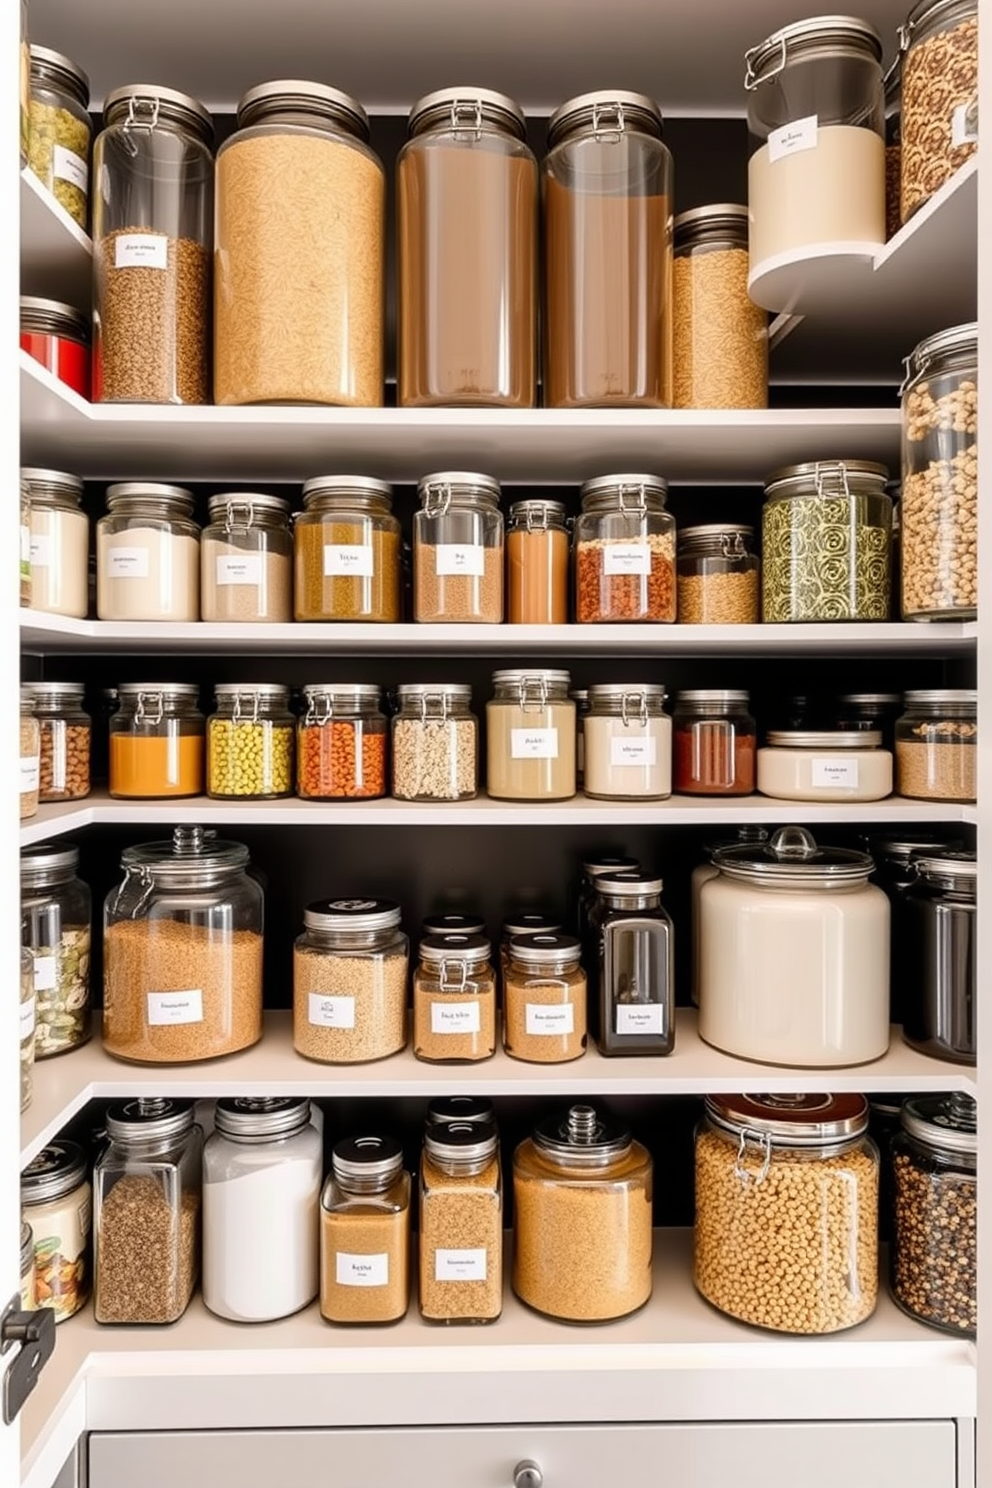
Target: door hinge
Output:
[(34, 1333)]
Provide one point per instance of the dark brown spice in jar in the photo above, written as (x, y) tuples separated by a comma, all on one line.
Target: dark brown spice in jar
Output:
[(152, 330)]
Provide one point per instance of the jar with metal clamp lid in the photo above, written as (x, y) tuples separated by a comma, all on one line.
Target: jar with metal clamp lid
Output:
[(341, 742), (717, 575), (57, 1202), (60, 130), (59, 539), (634, 967), (544, 998), (65, 730), (246, 559), (365, 1233), (347, 544), (937, 745), (628, 742), (938, 72), (56, 912), (147, 554), (435, 739), (458, 549), (714, 743), (941, 921), (720, 357), (530, 743), (58, 336), (625, 551), (461, 1224), (250, 742), (157, 740), (349, 981), (454, 1000), (537, 547)]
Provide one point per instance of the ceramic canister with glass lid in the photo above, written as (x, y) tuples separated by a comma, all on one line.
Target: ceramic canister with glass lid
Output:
[(537, 547), (544, 998), (938, 71), (350, 970), (435, 740), (58, 336), (147, 554), (56, 911), (365, 1233), (824, 765), (157, 740), (60, 130), (713, 743), (530, 744), (341, 741), (347, 550), (704, 870), (628, 742), (59, 542), (246, 558), (720, 336), (941, 921), (29, 739), (717, 580), (937, 745), (64, 731), (634, 965), (458, 549), (250, 742), (454, 1000), (625, 551), (461, 1223), (57, 1202)]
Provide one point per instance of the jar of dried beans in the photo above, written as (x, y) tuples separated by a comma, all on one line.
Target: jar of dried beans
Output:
[(147, 554), (530, 745), (435, 743), (57, 336), (60, 130), (824, 765), (341, 742), (347, 545), (720, 337), (454, 1000), (458, 549), (246, 559), (537, 546), (350, 970), (634, 965), (57, 1201), (157, 741), (55, 925), (544, 998), (625, 550), (250, 742), (461, 1224), (59, 543), (64, 740), (365, 1233), (938, 65), (941, 924), (717, 575), (628, 742), (30, 751), (937, 745)]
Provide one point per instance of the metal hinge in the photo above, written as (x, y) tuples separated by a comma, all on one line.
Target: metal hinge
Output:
[(34, 1332)]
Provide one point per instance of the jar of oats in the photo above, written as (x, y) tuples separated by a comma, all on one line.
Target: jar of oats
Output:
[(625, 550), (349, 981), (717, 575), (435, 739), (939, 73), (720, 352), (544, 999), (461, 1224), (937, 745), (365, 1233), (64, 730), (454, 1000)]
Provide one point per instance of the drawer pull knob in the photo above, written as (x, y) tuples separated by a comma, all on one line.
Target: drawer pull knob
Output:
[(527, 1475)]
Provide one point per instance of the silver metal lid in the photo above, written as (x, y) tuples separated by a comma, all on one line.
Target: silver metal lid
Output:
[(191, 848), (49, 484), (149, 104), (53, 67), (26, 699), (528, 922), (56, 1171), (372, 1162), (149, 1118), (714, 530), (531, 677), (901, 848), (51, 692), (42, 859), (451, 692), (632, 883), (356, 915), (53, 318), (716, 222), (949, 1122), (713, 697), (177, 692), (871, 699), (791, 1120), (605, 111), (538, 513), (297, 96), (546, 948), (261, 1115), (792, 856), (625, 492), (339, 489), (460, 1141), (453, 924), (602, 692), (828, 478), (444, 486), (467, 109), (824, 738), (954, 341), (475, 1109), (948, 868), (609, 863), (127, 493), (246, 502), (581, 1136), (817, 33), (347, 694), (960, 696), (458, 947), (272, 692)]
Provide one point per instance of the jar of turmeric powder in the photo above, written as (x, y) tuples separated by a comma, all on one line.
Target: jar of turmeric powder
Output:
[(341, 743), (347, 547), (157, 740), (537, 563)]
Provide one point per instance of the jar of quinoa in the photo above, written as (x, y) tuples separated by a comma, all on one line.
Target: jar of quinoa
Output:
[(936, 745)]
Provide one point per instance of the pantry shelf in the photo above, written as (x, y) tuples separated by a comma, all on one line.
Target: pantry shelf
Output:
[(56, 255)]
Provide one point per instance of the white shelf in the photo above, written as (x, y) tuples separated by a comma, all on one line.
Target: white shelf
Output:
[(56, 255)]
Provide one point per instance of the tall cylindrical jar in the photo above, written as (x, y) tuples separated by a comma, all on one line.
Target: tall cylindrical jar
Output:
[(720, 336), (147, 554), (530, 744), (634, 964), (628, 742), (57, 1202), (625, 550), (56, 910), (941, 921), (365, 1233), (59, 542), (939, 75), (458, 549), (349, 981), (461, 1224), (537, 546), (246, 559), (60, 130), (156, 741), (347, 550)]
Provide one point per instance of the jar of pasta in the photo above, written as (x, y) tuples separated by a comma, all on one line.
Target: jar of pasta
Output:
[(938, 67), (246, 558), (454, 1000), (59, 543), (347, 547), (720, 336), (157, 740), (628, 742), (60, 130), (544, 998), (537, 563), (55, 926), (349, 981), (365, 1233), (250, 742), (341, 742), (458, 549), (530, 724), (461, 1224), (58, 1204), (625, 550), (147, 554), (64, 730)]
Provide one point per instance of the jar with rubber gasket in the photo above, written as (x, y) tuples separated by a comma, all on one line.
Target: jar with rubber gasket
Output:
[(720, 335), (938, 72), (937, 745), (941, 921), (625, 551), (341, 742), (350, 969), (530, 743), (544, 998), (365, 1233), (461, 1223), (246, 559), (250, 742), (435, 743), (537, 549), (717, 575), (60, 130), (634, 968), (147, 554), (454, 1000), (714, 743), (64, 730), (56, 913), (347, 545), (628, 742), (59, 541), (157, 741), (458, 549)]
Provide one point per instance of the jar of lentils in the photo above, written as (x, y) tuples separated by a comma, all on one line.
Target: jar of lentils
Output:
[(939, 75), (347, 545), (341, 742), (720, 336), (937, 745), (246, 552), (624, 550), (454, 1000), (55, 926), (717, 575), (349, 981), (435, 743), (250, 742), (458, 549), (64, 740)]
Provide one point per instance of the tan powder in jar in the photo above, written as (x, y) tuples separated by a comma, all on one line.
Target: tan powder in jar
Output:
[(365, 1230), (429, 1009), (458, 598), (376, 986), (460, 1213), (535, 1027)]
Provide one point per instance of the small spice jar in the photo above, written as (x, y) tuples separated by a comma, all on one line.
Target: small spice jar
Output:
[(30, 755), (435, 741), (56, 910), (28, 1281), (870, 711), (938, 68), (461, 1224), (147, 554), (580, 697), (934, 1252), (941, 997), (64, 740), (454, 1000), (628, 742), (458, 549), (57, 1202), (544, 999), (714, 743), (57, 336), (365, 1233), (60, 130), (59, 543), (624, 550), (635, 967), (146, 1212), (720, 336), (27, 1024), (808, 765), (582, 1191), (530, 736), (717, 575), (349, 981), (786, 1233), (250, 742), (347, 550), (937, 745), (537, 563), (246, 559), (157, 741), (341, 742)]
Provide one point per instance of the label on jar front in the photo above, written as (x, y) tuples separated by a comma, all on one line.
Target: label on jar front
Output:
[(640, 1017), (127, 563), (40, 551), (643, 751), (553, 1021), (832, 773), (68, 166), (246, 569), (964, 124), (29, 774), (460, 1265), (27, 1020), (361, 1270), (141, 251), (166, 1008), (331, 1012), (535, 743), (460, 558), (626, 558), (45, 973), (791, 139), (348, 560), (25, 551), (455, 1017)]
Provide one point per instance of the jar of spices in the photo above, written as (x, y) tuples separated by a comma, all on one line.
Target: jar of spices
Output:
[(60, 130), (435, 738), (182, 952), (458, 549), (580, 697), (786, 1233), (717, 575), (934, 1254), (56, 911), (341, 742), (827, 765), (826, 539), (523, 922), (365, 1233), (454, 1000), (246, 559), (714, 746), (624, 550), (349, 981), (250, 742), (537, 563), (299, 302), (530, 743), (64, 740), (941, 921), (938, 69), (582, 1190), (720, 335), (147, 554), (628, 742), (57, 1202), (461, 1224), (27, 1025), (937, 745), (262, 1171), (705, 870), (59, 542), (157, 741), (28, 1280), (347, 545), (544, 999), (607, 218), (146, 1212), (57, 336), (635, 967), (30, 752), (870, 711)]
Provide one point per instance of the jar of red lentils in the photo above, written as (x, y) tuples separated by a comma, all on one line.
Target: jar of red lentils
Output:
[(341, 742)]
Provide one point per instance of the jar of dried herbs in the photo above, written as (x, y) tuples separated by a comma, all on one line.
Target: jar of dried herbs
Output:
[(60, 130), (55, 926), (347, 547)]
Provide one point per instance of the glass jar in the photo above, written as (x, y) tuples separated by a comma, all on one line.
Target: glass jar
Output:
[(585, 898), (714, 743), (57, 1202), (816, 117), (435, 739), (466, 200), (146, 1219), (57, 336), (717, 575), (530, 736), (934, 1254), (64, 731), (28, 1277), (523, 922), (544, 999), (895, 875), (828, 765), (365, 1233), (56, 911), (30, 752), (250, 741), (157, 741), (624, 550), (794, 954), (938, 65), (939, 504), (347, 547), (720, 336), (24, 84), (341, 742), (454, 1000), (628, 742), (299, 299), (349, 981), (582, 1190), (147, 554), (937, 745), (635, 969), (60, 130), (826, 541), (461, 1108), (870, 711), (246, 559), (153, 229), (705, 870), (59, 541), (458, 549), (24, 563), (580, 697), (607, 214), (182, 952), (787, 1189), (942, 922), (893, 151), (262, 1171), (27, 1024), (537, 563), (461, 1224)]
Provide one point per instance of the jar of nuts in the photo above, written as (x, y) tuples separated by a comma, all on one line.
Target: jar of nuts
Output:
[(717, 575), (786, 1230), (625, 550), (454, 1000), (64, 740), (250, 742), (938, 67), (341, 742), (936, 745)]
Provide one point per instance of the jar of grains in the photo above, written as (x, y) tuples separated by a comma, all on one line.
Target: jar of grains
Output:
[(435, 743), (530, 744), (827, 765), (717, 575), (628, 742), (461, 1224), (580, 697), (537, 546), (523, 922), (937, 745), (634, 964), (57, 336), (246, 558), (27, 1268), (703, 871), (250, 742), (720, 335), (64, 731), (607, 199), (56, 911), (544, 999), (59, 543), (30, 751), (262, 1171), (365, 1233), (624, 550), (941, 996), (60, 130), (826, 540), (341, 742), (786, 1232), (147, 554), (146, 1212), (870, 711), (582, 1207), (939, 504), (714, 743), (934, 1253), (182, 952), (347, 545), (157, 740), (454, 1000), (458, 549), (27, 1027), (938, 65), (153, 226), (298, 306), (350, 970), (57, 1202)]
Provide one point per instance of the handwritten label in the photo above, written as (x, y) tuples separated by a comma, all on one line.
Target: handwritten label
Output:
[(348, 560), (455, 1017), (127, 563), (834, 774), (627, 558), (536, 743), (552, 1021), (68, 166), (246, 570), (460, 1265), (640, 1017), (791, 139), (459, 558), (332, 1012), (361, 1270), (141, 251), (625, 751), (167, 1008)]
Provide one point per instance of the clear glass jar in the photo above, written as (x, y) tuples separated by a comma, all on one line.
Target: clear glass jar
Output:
[(937, 745), (458, 549), (544, 999), (938, 509), (787, 1189), (624, 550), (30, 756), (27, 1024), (893, 151), (365, 1233), (64, 730), (246, 559), (28, 1272), (537, 548), (146, 1212), (628, 742), (454, 1000), (350, 970), (938, 66), (718, 575), (634, 966), (153, 225), (530, 736), (182, 952), (59, 542), (827, 765), (60, 130), (147, 554), (262, 1171), (299, 302), (582, 1239), (56, 911), (466, 201), (250, 742), (870, 711), (341, 742), (580, 697), (24, 556), (157, 741), (58, 336), (720, 336), (347, 547), (461, 1224), (705, 870), (607, 216), (435, 739), (57, 1202), (714, 743), (941, 998)]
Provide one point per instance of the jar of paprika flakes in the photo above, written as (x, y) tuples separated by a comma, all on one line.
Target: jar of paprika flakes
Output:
[(341, 742), (625, 550), (714, 743)]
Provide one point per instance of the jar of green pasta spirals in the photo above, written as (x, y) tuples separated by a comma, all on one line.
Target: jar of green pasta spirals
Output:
[(827, 542)]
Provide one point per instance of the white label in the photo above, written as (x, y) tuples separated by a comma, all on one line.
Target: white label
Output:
[(455, 1017), (460, 1265), (834, 774), (27, 1020), (25, 547), (536, 743), (45, 974), (627, 558), (127, 563), (29, 773), (246, 570), (174, 1007), (640, 1017), (347, 560), (801, 134), (460, 558), (68, 166), (141, 251), (542, 1019), (964, 124), (642, 751), (361, 1270), (331, 1012), (41, 548)]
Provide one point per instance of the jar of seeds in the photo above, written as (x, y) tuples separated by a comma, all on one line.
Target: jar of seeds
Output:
[(454, 1000), (461, 1224), (349, 981), (27, 1005), (365, 1233), (624, 551), (717, 575), (246, 559), (435, 743), (347, 547), (544, 999), (60, 130), (938, 64), (458, 549), (250, 742), (30, 752), (937, 745), (55, 926), (720, 336), (64, 731), (57, 1202)]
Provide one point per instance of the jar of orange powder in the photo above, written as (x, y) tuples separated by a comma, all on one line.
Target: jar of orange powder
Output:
[(341, 742), (537, 563), (157, 740)]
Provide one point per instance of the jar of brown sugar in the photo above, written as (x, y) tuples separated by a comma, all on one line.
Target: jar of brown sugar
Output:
[(246, 559), (720, 336), (544, 999), (624, 550), (537, 547), (458, 549), (365, 1233), (64, 740), (717, 575), (461, 1224), (347, 545), (714, 743), (454, 1000), (341, 742)]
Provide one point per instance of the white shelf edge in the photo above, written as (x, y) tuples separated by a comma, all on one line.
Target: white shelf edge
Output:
[(960, 181), (62, 223)]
